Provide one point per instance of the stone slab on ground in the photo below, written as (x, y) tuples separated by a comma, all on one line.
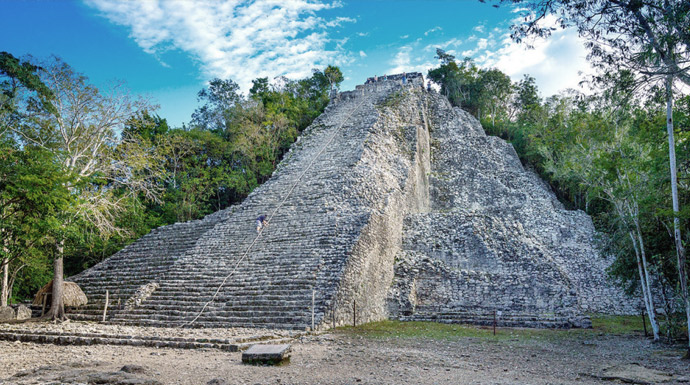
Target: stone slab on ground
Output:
[(635, 374), (266, 354)]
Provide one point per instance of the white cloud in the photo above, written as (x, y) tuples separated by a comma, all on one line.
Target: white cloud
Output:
[(454, 42), (404, 36), (556, 63), (402, 60), (240, 40), (437, 28), (405, 62), (362, 34), (362, 54), (338, 21)]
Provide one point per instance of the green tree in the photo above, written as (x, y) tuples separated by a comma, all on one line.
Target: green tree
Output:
[(461, 84), (495, 93), (334, 76), (32, 194), (81, 136), (144, 125), (649, 37), (18, 81), (219, 99)]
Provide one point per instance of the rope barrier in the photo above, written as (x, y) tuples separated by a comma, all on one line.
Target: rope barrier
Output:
[(258, 235)]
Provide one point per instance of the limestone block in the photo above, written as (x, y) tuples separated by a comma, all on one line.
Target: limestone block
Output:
[(23, 312), (266, 354), (6, 313)]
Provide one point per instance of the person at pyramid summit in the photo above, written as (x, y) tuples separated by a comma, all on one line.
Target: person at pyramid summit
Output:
[(261, 223)]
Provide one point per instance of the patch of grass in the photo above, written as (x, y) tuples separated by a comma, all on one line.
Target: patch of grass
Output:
[(601, 324), (429, 330), (619, 324)]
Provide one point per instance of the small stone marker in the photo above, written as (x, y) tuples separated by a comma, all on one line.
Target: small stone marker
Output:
[(23, 312), (6, 313), (266, 354)]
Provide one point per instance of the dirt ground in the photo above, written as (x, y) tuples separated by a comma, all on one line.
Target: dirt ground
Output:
[(349, 357)]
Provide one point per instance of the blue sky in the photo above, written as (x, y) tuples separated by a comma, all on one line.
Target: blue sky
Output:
[(169, 49)]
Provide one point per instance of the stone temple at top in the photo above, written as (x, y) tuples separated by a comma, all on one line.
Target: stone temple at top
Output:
[(392, 204)]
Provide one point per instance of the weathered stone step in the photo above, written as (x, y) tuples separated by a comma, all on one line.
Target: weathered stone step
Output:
[(221, 309), (231, 303), (502, 319), (217, 316), (86, 315), (275, 312), (260, 308), (225, 295), (148, 341), (213, 324), (251, 272), (238, 287)]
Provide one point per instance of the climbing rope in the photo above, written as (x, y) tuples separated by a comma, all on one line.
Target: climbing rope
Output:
[(258, 235)]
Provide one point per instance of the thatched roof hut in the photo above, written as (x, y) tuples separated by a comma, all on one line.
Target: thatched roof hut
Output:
[(72, 295)]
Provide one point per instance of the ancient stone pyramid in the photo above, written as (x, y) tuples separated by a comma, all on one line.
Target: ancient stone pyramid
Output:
[(391, 204)]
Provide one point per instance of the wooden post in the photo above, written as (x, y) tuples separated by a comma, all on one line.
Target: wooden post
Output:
[(644, 324), (354, 312), (105, 308), (43, 309), (313, 293), (333, 317), (494, 322)]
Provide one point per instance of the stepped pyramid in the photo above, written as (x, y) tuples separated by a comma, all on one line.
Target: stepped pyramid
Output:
[(391, 204)]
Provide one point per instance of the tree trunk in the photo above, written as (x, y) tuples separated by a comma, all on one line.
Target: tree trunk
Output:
[(638, 247), (680, 250), (57, 306), (13, 278), (4, 293), (648, 301), (647, 283)]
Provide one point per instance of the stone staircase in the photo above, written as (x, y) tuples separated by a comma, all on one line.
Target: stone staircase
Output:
[(305, 264)]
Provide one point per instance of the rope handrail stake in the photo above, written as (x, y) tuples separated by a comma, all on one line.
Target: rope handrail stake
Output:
[(258, 235)]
